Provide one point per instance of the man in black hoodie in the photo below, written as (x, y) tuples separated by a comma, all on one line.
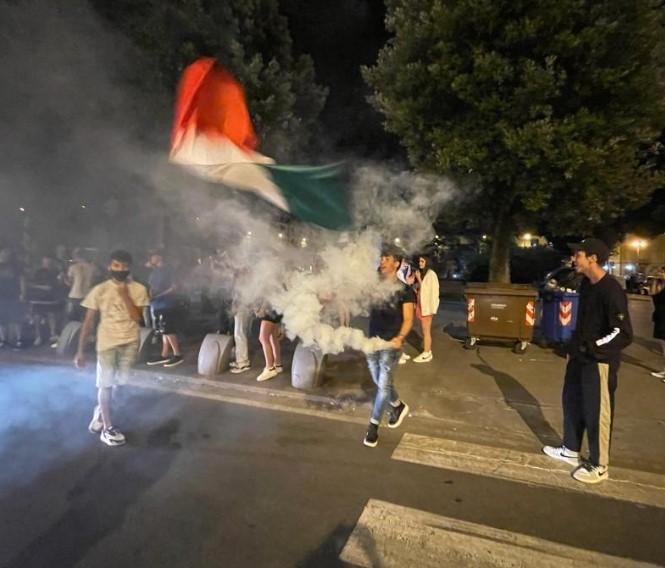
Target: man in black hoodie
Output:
[(603, 331)]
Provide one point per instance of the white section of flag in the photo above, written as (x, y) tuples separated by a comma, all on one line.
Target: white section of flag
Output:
[(220, 161)]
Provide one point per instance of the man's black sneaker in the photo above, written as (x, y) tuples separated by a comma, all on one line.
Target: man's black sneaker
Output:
[(372, 436), (174, 361), (158, 361), (397, 415)]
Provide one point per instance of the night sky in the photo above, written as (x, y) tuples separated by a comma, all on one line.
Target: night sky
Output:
[(341, 37)]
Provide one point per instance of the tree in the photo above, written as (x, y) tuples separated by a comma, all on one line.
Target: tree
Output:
[(546, 110), (251, 39)]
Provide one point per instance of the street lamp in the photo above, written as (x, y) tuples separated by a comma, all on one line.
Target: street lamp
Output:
[(638, 245)]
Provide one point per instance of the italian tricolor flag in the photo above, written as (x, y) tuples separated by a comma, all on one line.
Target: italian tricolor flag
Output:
[(213, 137)]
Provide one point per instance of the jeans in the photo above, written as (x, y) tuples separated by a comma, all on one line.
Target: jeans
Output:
[(381, 364)]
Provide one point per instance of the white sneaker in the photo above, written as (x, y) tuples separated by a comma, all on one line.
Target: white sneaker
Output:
[(267, 374), (237, 369), (96, 425), (658, 374), (279, 369), (562, 453), (233, 365), (403, 359), (112, 437), (588, 473), (424, 357)]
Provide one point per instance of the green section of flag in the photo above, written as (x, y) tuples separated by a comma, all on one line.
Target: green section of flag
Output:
[(316, 194)]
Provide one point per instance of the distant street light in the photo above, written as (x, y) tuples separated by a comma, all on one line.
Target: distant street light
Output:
[(638, 245), (21, 209), (526, 240)]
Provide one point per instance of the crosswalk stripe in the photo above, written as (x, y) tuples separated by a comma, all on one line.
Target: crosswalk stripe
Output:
[(534, 468), (388, 535)]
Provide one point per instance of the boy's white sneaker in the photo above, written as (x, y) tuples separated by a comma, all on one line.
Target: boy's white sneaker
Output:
[(112, 437), (588, 473), (563, 454), (96, 425)]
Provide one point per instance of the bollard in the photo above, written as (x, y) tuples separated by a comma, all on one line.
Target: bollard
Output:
[(215, 354), (307, 367)]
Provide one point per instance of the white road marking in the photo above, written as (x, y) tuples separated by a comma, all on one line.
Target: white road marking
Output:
[(534, 468), (389, 535), (328, 414)]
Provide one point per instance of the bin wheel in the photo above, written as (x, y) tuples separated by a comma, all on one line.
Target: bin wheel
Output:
[(520, 347), (470, 342)]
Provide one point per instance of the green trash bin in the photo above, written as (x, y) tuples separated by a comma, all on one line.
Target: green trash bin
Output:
[(505, 312)]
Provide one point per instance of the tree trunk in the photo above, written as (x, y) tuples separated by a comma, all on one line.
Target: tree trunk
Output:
[(501, 245)]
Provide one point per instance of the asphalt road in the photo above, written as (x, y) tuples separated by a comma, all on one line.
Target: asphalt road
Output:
[(203, 483)]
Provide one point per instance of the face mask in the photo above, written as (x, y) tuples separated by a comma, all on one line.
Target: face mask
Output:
[(119, 275)]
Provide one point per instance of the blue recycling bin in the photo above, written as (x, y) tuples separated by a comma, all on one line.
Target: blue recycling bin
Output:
[(559, 315)]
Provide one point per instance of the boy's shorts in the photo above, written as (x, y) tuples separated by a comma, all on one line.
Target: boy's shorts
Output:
[(113, 364)]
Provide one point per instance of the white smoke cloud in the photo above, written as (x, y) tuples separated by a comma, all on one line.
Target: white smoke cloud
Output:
[(335, 272), (61, 63)]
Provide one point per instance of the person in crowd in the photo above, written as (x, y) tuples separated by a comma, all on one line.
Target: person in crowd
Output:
[(12, 294), (406, 273), (657, 293), (390, 321), (427, 290), (603, 330), (119, 301), (166, 311), (80, 277), (242, 318), (269, 339), (44, 297)]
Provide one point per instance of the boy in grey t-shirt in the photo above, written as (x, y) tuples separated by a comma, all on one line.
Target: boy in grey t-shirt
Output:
[(119, 302)]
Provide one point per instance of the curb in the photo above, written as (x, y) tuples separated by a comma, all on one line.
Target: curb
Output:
[(201, 382)]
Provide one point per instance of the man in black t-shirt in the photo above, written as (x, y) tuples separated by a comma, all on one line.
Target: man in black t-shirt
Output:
[(603, 330), (392, 322)]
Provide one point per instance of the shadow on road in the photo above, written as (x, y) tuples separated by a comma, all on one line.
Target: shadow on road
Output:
[(327, 555), (650, 344), (630, 360), (521, 401), (126, 473)]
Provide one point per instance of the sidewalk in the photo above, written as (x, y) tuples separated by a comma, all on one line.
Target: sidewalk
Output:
[(488, 395)]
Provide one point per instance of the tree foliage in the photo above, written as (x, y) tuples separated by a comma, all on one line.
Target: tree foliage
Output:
[(250, 38), (550, 107)]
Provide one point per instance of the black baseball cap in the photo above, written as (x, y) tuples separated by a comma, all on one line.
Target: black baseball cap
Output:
[(592, 246)]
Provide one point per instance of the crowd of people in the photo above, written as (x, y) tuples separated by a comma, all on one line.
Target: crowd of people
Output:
[(77, 289), (36, 301)]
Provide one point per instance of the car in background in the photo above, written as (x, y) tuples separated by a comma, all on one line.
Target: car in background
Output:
[(637, 283)]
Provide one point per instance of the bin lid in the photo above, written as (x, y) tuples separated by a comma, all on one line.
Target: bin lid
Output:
[(499, 289)]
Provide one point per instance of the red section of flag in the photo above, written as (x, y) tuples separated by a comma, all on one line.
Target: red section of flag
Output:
[(211, 101)]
